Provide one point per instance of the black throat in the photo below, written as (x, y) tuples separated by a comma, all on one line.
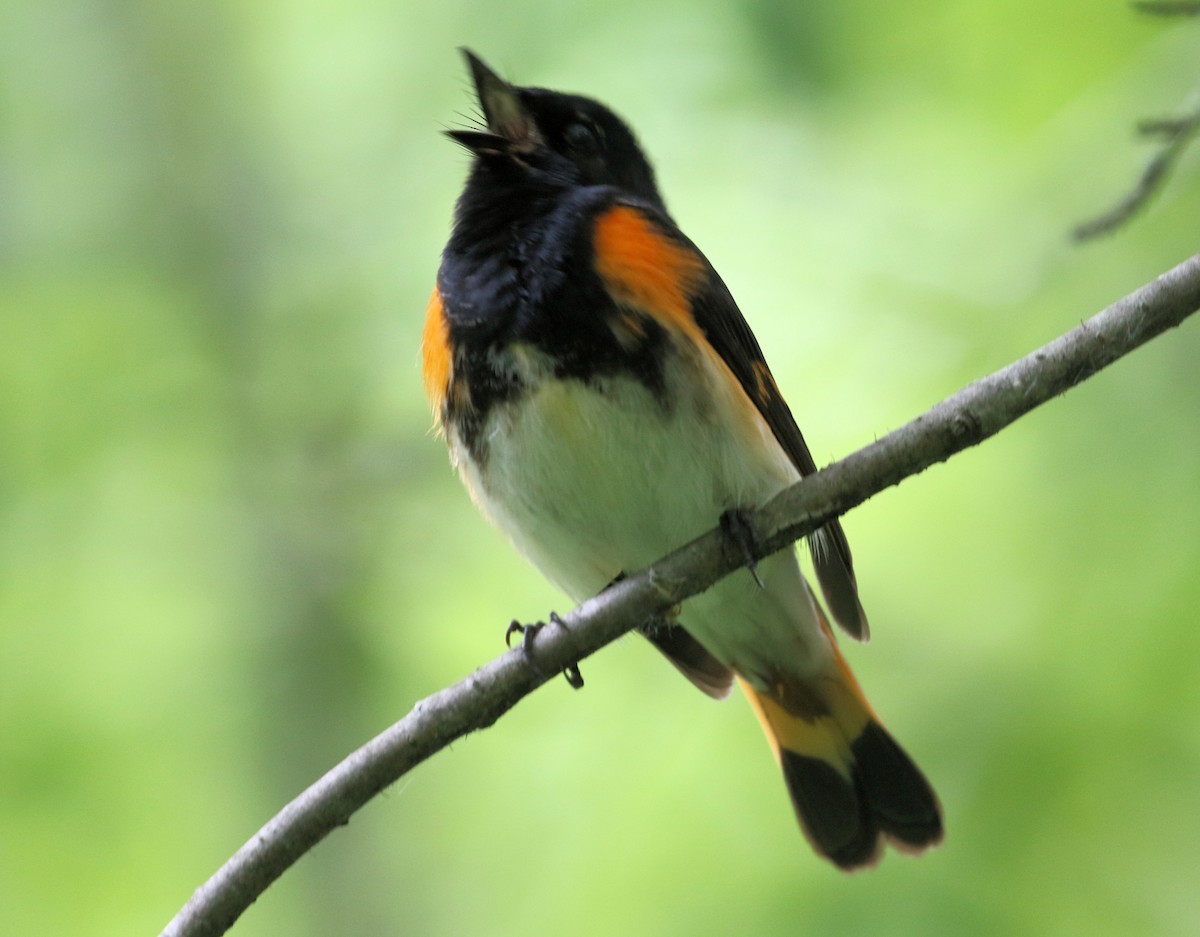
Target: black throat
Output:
[(519, 269)]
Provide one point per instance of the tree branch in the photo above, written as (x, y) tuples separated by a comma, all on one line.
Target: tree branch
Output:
[(968, 417)]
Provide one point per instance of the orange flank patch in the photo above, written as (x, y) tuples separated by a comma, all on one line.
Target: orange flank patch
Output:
[(643, 268), (435, 353)]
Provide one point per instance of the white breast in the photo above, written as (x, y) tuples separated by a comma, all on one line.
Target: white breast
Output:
[(593, 479)]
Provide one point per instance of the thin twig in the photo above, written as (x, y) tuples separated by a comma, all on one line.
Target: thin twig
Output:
[(1177, 133), (968, 417)]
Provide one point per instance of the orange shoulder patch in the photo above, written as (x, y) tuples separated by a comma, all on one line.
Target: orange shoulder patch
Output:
[(643, 268), (436, 357)]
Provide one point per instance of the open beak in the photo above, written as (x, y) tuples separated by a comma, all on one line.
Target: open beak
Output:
[(508, 125)]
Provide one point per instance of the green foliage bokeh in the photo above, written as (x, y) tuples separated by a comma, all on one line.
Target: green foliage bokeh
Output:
[(231, 549)]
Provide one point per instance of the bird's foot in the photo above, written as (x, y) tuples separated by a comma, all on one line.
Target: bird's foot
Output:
[(738, 530), (528, 632)]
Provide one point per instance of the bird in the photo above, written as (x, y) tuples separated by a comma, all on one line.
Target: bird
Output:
[(604, 402)]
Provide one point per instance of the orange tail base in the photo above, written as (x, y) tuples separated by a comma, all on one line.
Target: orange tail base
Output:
[(853, 787)]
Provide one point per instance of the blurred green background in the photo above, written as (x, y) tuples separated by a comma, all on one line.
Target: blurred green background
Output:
[(231, 550)]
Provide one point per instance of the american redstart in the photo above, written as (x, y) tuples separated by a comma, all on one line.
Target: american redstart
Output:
[(605, 402)]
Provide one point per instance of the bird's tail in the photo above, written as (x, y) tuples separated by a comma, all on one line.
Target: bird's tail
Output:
[(852, 785)]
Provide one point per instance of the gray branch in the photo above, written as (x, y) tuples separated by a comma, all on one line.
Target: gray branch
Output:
[(968, 417)]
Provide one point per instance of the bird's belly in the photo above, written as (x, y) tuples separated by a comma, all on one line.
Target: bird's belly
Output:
[(592, 479)]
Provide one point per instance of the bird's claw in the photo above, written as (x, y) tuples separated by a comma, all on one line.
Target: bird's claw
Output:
[(527, 632), (515, 627), (737, 528)]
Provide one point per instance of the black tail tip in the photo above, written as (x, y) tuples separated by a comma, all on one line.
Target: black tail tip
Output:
[(886, 799)]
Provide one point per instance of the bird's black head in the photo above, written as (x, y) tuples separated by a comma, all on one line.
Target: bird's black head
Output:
[(550, 139)]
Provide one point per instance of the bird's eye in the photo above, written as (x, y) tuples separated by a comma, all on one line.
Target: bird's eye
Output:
[(582, 138)]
